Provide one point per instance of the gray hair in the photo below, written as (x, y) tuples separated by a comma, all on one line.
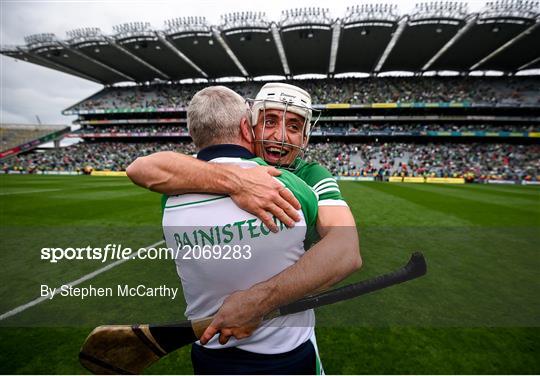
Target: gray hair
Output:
[(214, 115)]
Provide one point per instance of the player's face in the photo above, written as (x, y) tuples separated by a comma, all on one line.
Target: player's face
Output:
[(279, 140)]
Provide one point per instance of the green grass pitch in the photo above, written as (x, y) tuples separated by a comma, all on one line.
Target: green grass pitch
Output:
[(476, 312)]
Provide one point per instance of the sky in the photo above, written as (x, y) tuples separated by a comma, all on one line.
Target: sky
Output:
[(28, 91)]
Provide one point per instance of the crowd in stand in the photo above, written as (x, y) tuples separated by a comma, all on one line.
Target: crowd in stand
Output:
[(479, 160), (327, 128), (482, 161), (112, 156), (352, 128), (152, 129), (516, 90)]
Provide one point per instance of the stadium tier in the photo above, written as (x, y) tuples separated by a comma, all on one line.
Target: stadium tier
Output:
[(477, 161), (368, 92), (343, 129), (408, 107), (370, 38), (18, 138), (12, 135), (480, 128)]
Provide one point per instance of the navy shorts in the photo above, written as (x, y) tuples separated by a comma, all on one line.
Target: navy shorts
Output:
[(233, 361)]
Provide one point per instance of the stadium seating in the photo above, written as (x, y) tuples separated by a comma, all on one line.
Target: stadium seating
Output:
[(493, 160), (152, 129), (403, 151), (99, 156), (497, 161), (336, 127), (12, 135), (490, 91)]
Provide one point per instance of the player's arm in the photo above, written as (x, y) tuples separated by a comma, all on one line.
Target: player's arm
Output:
[(338, 222), (174, 173), (254, 190), (337, 227), (332, 259)]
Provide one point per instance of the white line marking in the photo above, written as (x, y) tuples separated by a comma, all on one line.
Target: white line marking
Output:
[(84, 278), (22, 192), (29, 191)]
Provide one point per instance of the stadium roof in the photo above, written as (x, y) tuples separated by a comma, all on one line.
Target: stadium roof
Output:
[(370, 38)]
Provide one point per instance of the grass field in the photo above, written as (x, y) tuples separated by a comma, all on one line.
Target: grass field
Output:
[(477, 310)]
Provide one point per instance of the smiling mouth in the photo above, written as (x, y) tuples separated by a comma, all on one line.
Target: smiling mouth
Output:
[(276, 153)]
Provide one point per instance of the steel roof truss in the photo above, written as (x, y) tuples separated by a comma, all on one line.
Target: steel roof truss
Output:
[(135, 57), (392, 43), (175, 50), (505, 46), (466, 27)]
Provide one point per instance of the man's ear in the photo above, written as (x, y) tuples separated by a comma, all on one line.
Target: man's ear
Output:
[(245, 130)]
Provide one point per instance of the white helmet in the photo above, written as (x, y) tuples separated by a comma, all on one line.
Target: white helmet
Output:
[(286, 98), (281, 96)]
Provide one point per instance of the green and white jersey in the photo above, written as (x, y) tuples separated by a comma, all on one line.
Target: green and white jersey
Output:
[(322, 182), (222, 249)]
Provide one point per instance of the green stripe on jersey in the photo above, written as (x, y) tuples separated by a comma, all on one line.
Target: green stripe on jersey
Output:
[(164, 199), (316, 176), (196, 202)]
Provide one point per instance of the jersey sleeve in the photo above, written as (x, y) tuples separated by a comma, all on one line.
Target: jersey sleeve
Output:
[(323, 184), (304, 194)]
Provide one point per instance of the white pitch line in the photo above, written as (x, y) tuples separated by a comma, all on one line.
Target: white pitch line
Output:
[(30, 191), (84, 278)]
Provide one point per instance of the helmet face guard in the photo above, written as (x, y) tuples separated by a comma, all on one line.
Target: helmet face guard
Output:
[(284, 153)]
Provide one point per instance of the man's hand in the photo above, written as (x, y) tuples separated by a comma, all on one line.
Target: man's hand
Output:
[(238, 317), (260, 194)]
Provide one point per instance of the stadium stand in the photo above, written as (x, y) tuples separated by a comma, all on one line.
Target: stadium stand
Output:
[(100, 156), (478, 127), (495, 137), (507, 91), (435, 141), (12, 135), (483, 161), (336, 128), (134, 129)]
